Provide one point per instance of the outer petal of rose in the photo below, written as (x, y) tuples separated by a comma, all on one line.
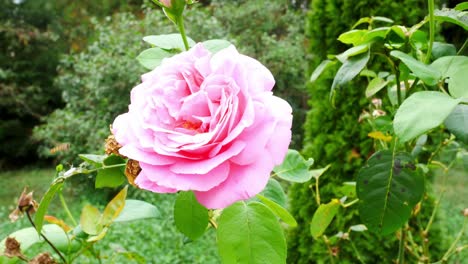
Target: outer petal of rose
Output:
[(256, 136), (279, 142), (206, 165), (149, 157), (163, 176), (258, 76), (121, 129), (244, 182), (143, 182)]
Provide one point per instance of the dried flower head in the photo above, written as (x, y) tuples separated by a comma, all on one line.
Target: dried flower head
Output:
[(26, 203), (112, 146), (43, 258), (465, 212), (13, 248), (132, 170)]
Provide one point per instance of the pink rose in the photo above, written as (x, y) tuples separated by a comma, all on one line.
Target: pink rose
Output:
[(208, 123)]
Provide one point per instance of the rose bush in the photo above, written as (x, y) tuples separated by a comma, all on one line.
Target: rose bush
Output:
[(208, 123)]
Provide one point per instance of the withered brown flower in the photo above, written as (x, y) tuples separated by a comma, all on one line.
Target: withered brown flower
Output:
[(13, 248), (26, 203), (43, 258)]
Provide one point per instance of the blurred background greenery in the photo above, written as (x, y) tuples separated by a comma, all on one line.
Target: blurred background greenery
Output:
[(66, 69)]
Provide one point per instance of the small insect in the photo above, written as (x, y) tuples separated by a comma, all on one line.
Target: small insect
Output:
[(62, 147)]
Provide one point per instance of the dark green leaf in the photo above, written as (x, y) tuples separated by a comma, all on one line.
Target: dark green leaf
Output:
[(44, 204), (152, 58), (275, 192), (250, 234), (294, 167), (323, 217), (457, 122), (424, 72), (350, 69), (421, 112), (320, 69), (453, 16), (111, 177), (191, 218), (136, 210), (215, 45), (169, 41), (278, 210), (388, 188)]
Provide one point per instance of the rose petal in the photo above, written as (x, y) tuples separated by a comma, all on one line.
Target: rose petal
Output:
[(143, 182), (206, 165), (163, 176), (243, 183)]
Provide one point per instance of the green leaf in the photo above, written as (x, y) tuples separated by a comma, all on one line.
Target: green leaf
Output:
[(152, 58), (350, 69), (323, 217), (457, 122), (29, 236), (111, 177), (362, 20), (191, 218), (114, 207), (419, 145), (92, 159), (392, 93), (294, 167), (136, 210), (278, 210), (388, 188), (275, 192), (462, 6), (424, 72), (318, 172), (353, 36), (441, 49), (375, 33), (453, 16), (352, 52), (421, 112), (448, 65), (215, 45), (457, 84), (250, 234), (169, 41), (320, 69), (375, 86), (44, 204), (90, 220)]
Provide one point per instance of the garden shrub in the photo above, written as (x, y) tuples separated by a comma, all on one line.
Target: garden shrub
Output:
[(334, 136)]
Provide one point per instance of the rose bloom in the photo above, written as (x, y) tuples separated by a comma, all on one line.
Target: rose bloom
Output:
[(208, 123)]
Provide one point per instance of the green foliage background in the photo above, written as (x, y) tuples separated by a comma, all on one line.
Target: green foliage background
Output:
[(334, 136)]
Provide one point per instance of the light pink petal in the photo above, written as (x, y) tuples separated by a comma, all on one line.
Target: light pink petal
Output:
[(143, 182), (163, 176), (149, 157), (258, 76), (206, 165), (243, 183)]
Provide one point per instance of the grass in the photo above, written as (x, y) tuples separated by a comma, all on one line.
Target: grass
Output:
[(144, 241)]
